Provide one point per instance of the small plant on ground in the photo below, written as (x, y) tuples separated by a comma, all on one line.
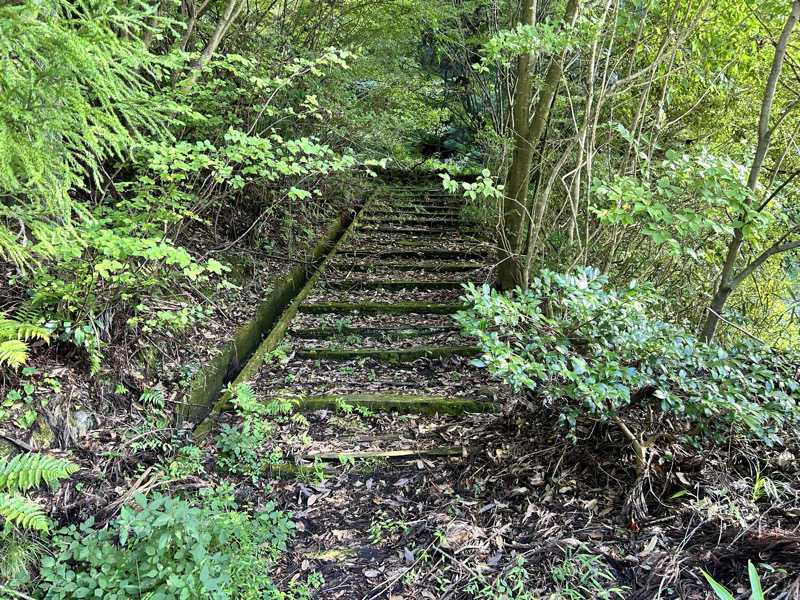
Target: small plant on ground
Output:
[(513, 585), (755, 585), (171, 548), (242, 446), (384, 527), (580, 575)]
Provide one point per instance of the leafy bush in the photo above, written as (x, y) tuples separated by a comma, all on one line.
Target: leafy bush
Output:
[(603, 351), (169, 548)]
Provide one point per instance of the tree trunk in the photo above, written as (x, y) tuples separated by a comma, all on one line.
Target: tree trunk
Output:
[(509, 274), (227, 18), (527, 133), (728, 279)]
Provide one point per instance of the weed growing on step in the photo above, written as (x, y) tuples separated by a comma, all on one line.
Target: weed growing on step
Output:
[(240, 446), (384, 529)]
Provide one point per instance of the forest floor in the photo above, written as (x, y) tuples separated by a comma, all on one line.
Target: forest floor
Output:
[(440, 482), (420, 476)]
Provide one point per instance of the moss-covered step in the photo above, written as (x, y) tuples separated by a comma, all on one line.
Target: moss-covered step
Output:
[(445, 267), (342, 555), (420, 253), (437, 232), (399, 403), (411, 221), (385, 454), (414, 212), (393, 356), (393, 285), (330, 333), (379, 308)]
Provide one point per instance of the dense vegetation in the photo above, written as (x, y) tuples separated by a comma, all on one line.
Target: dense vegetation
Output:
[(633, 162)]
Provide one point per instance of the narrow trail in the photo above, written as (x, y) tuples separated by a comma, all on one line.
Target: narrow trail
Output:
[(376, 364)]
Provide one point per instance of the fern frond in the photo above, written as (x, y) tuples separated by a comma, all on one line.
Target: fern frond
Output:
[(13, 329), (13, 353), (23, 512), (25, 471)]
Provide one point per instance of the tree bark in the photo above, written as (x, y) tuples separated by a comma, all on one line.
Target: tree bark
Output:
[(527, 130), (227, 18), (509, 273), (728, 279)]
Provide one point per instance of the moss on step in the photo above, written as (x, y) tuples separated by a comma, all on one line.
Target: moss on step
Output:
[(378, 308), (399, 403), (342, 554), (407, 222), (328, 333), (417, 232), (389, 356), (422, 253), (394, 285), (443, 267)]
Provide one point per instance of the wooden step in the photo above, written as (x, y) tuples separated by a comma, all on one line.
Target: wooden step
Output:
[(409, 222), (445, 267), (399, 403), (378, 308), (385, 454), (390, 356), (328, 333), (438, 232), (393, 285), (408, 210), (421, 252)]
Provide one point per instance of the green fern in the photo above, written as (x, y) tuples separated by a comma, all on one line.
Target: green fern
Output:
[(21, 473), (26, 471), (14, 336), (23, 512)]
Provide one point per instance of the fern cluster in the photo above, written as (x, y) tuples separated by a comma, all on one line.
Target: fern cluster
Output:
[(14, 336), (21, 473)]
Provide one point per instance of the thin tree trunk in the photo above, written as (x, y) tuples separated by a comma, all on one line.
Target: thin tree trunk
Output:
[(509, 273), (227, 18), (512, 272), (728, 279)]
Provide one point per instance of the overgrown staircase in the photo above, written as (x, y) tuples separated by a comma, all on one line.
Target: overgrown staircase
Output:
[(376, 335)]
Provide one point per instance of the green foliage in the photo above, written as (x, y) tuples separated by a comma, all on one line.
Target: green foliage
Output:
[(73, 92), (755, 585), (681, 201), (581, 575), (513, 586), (171, 548), (21, 473), (14, 336), (241, 446), (600, 351)]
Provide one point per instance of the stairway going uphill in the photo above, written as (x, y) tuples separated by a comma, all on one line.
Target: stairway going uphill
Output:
[(376, 365)]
